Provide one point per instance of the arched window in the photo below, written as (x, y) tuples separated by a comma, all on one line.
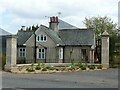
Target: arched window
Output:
[(41, 38)]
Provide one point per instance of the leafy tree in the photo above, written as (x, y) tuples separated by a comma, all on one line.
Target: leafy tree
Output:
[(37, 26), (100, 24), (30, 28), (33, 28)]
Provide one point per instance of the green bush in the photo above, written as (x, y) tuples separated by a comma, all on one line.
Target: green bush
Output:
[(99, 67), (44, 69), (38, 67), (50, 68), (72, 66), (42, 65), (31, 68), (69, 68), (78, 64), (83, 67), (91, 67), (57, 69), (62, 68)]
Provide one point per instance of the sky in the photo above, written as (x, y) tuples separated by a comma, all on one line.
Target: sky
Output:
[(17, 13)]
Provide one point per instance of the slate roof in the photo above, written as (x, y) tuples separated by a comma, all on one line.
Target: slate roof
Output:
[(67, 35), (53, 34), (4, 33), (77, 36), (65, 25), (23, 36), (71, 36)]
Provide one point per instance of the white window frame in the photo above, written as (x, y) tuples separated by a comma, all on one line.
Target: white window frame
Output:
[(41, 53), (60, 53), (39, 36), (22, 53)]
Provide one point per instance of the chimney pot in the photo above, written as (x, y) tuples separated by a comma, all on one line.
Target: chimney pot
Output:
[(53, 24), (23, 27), (54, 19)]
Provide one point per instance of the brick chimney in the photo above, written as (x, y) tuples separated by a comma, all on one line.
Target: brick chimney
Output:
[(53, 24)]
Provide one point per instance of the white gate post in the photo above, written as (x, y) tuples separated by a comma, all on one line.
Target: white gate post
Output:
[(105, 50), (11, 52)]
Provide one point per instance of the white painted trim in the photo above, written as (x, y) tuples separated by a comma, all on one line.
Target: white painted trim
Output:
[(40, 53), (61, 53), (22, 52)]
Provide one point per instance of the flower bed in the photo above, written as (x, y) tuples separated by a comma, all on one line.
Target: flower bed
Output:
[(43, 68)]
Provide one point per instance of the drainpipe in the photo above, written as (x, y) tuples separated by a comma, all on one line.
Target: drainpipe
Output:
[(45, 53), (63, 54), (35, 48)]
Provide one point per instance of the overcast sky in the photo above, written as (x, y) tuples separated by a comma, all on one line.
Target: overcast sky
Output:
[(16, 13)]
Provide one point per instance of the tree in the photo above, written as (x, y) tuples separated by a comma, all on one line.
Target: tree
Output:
[(37, 26), (33, 28), (100, 24)]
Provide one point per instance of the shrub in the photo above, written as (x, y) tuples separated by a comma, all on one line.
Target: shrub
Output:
[(42, 65), (62, 68), (31, 68), (91, 67), (99, 67), (38, 67), (50, 68), (44, 69), (69, 68), (78, 64), (72, 66), (83, 67), (57, 69)]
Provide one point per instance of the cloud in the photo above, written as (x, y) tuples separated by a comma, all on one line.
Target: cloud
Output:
[(29, 12)]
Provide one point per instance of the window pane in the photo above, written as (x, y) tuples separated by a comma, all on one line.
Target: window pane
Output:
[(42, 50), (20, 49), (41, 37), (39, 50), (23, 49), (23, 54), (37, 38), (40, 55), (43, 56), (20, 54), (45, 38)]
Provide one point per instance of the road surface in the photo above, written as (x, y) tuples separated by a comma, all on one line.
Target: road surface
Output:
[(84, 79)]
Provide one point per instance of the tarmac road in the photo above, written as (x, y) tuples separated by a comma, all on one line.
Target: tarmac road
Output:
[(84, 79)]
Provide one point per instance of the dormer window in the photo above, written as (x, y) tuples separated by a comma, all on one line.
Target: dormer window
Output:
[(41, 38)]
